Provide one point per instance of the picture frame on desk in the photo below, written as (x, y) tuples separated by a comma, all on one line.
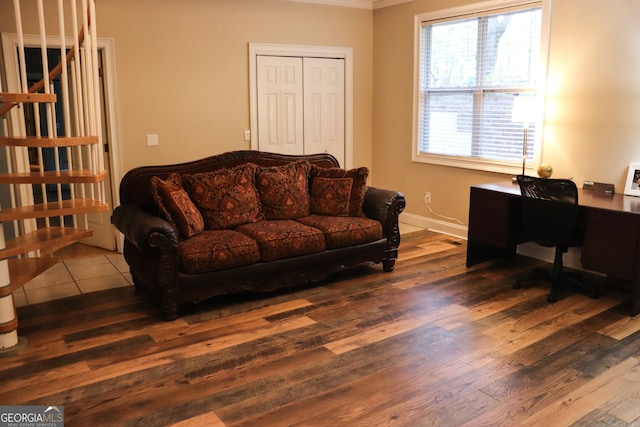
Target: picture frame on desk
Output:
[(632, 187), (631, 204)]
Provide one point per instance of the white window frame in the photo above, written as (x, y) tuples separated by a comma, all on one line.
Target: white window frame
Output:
[(507, 167)]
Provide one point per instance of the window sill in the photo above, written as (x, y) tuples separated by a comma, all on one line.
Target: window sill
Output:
[(508, 168)]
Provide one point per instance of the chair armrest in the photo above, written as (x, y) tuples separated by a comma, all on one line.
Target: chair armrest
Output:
[(385, 206), (145, 230)]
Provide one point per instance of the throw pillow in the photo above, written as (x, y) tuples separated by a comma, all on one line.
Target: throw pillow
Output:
[(226, 197), (176, 206), (284, 190), (358, 187), (330, 196)]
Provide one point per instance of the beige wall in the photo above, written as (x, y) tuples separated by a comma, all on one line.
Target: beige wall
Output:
[(593, 102), (182, 68)]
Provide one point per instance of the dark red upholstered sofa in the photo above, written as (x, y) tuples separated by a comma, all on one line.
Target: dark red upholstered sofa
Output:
[(249, 221)]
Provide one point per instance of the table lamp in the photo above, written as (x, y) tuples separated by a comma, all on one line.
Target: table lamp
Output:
[(523, 112)]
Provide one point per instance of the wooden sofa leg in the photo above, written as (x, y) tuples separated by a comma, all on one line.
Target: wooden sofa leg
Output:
[(388, 264), (169, 311)]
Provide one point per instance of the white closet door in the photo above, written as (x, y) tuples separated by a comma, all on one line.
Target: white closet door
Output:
[(324, 107), (280, 104)]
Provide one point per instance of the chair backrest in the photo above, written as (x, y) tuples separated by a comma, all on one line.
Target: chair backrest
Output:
[(550, 211)]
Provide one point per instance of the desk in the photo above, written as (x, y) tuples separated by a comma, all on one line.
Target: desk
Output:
[(612, 235)]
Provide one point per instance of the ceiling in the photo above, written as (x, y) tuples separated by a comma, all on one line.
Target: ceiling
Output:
[(360, 4)]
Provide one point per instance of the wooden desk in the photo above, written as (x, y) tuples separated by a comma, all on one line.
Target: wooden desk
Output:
[(612, 236)]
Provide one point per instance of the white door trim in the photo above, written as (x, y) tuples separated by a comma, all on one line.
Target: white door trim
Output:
[(106, 45), (346, 53)]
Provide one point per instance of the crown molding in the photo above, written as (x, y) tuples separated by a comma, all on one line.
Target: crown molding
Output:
[(359, 4), (379, 4)]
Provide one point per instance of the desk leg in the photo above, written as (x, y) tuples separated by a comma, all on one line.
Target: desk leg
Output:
[(635, 298), (494, 220)]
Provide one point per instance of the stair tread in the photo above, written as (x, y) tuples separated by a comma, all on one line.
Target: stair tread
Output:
[(43, 141), (27, 97), (23, 270), (53, 177), (59, 208), (47, 238)]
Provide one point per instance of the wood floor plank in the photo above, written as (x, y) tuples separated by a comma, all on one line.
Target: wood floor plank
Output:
[(624, 327), (203, 420)]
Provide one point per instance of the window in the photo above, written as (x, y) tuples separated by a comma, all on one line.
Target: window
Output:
[(472, 65)]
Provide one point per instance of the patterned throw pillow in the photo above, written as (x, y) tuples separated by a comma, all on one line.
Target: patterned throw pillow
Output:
[(226, 197), (358, 187), (330, 196), (176, 206), (284, 190)]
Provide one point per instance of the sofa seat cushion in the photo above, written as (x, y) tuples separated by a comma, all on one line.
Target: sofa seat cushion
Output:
[(284, 238), (214, 250), (343, 231)]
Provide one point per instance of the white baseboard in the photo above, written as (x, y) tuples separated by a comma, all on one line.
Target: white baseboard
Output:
[(438, 226)]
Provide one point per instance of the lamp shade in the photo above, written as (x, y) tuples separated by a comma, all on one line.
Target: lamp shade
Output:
[(523, 109)]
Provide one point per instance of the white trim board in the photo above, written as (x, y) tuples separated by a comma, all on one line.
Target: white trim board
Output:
[(435, 225), (359, 4)]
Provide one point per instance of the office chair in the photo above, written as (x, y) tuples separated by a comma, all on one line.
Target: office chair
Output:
[(552, 218)]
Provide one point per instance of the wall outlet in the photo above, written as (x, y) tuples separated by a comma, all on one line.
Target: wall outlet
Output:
[(152, 140), (427, 197)]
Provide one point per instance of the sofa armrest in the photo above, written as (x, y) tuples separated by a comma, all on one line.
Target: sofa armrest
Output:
[(145, 230), (385, 206)]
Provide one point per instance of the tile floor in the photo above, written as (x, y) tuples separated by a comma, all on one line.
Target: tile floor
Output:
[(74, 277), (81, 275)]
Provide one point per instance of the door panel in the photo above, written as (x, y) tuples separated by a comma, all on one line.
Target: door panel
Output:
[(324, 124), (280, 115)]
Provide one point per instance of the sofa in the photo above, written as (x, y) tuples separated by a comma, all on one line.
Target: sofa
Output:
[(250, 221)]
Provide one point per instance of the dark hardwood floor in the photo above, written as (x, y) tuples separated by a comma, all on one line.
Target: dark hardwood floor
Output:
[(432, 343)]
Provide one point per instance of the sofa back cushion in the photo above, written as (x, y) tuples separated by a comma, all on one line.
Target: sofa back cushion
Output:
[(176, 206), (284, 190), (226, 197), (338, 192)]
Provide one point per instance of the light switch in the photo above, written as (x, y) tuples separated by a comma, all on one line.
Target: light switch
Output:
[(247, 135), (152, 140)]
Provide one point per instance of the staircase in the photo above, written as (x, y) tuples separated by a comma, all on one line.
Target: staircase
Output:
[(54, 173)]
